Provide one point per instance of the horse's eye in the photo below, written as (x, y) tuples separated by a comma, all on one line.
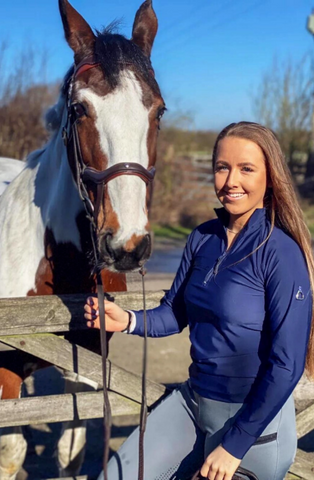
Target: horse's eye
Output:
[(160, 113), (78, 110)]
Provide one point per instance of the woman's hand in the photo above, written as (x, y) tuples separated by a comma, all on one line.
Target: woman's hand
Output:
[(116, 318), (220, 465)]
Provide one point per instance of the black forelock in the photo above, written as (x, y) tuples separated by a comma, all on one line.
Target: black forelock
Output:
[(114, 52)]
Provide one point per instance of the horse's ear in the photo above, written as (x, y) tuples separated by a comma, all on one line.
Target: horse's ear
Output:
[(145, 27), (78, 33)]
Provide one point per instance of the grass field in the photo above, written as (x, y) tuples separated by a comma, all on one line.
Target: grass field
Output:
[(171, 231)]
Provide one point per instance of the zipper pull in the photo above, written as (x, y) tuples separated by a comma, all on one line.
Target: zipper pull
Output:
[(216, 266), (218, 262)]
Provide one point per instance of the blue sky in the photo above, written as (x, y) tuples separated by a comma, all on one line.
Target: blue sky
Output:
[(209, 55)]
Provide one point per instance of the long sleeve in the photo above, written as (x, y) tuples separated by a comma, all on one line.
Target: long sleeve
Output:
[(288, 305), (170, 317)]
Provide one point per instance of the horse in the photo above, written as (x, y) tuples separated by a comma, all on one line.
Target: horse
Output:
[(9, 169), (95, 169)]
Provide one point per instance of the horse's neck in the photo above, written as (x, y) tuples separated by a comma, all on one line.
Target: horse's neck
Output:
[(41, 199)]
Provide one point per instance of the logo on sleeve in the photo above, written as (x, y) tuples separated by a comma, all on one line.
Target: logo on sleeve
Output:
[(300, 294)]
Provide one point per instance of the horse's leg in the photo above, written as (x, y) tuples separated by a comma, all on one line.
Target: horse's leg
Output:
[(13, 446), (71, 446)]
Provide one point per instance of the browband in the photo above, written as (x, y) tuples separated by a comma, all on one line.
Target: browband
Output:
[(122, 168)]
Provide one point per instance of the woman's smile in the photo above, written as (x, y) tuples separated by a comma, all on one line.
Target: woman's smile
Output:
[(234, 196)]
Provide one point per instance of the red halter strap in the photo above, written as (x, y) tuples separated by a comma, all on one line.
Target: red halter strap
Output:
[(85, 65)]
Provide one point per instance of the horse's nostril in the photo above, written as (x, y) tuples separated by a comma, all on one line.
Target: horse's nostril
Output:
[(108, 241), (106, 247), (144, 248)]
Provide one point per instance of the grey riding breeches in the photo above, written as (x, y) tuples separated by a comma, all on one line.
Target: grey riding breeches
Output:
[(184, 428)]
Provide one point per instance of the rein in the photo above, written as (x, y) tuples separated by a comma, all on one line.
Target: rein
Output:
[(100, 179)]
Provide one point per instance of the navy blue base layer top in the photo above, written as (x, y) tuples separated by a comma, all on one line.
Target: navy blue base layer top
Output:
[(249, 317)]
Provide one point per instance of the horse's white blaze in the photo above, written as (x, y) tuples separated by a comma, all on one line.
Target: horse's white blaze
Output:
[(122, 122)]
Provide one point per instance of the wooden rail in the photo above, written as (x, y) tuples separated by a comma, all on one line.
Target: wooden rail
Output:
[(49, 314)]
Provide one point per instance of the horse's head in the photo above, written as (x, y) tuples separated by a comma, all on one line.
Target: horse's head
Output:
[(114, 110)]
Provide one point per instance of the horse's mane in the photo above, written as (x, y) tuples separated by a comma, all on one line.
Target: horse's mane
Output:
[(114, 52), (53, 115)]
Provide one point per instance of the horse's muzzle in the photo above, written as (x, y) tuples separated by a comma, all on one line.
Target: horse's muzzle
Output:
[(121, 259)]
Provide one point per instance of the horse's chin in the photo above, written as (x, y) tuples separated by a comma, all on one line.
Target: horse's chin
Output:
[(125, 265)]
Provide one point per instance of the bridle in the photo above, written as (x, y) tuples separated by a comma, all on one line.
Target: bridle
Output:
[(89, 174), (84, 175)]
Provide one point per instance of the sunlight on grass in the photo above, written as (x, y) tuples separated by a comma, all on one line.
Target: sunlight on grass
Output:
[(171, 231)]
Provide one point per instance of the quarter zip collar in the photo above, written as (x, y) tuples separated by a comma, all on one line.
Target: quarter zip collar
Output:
[(255, 220)]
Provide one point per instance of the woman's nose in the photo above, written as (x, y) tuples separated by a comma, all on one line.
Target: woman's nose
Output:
[(233, 178)]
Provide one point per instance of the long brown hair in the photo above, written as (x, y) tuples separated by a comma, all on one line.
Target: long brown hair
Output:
[(280, 200)]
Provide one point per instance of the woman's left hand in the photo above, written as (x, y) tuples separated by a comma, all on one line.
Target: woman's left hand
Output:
[(220, 465)]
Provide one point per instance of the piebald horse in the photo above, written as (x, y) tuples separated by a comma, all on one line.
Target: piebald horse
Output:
[(106, 120)]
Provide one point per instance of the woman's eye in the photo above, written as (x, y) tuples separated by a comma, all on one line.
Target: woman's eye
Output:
[(247, 169), (218, 168), (78, 110)]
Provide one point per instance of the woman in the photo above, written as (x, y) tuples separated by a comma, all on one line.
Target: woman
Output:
[(244, 288)]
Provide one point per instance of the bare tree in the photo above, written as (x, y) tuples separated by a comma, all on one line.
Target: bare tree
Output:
[(283, 101), (24, 95)]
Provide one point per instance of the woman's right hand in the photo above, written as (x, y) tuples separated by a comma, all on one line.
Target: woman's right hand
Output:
[(116, 318)]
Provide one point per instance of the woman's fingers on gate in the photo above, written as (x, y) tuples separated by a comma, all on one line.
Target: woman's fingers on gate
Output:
[(92, 302), (116, 318), (91, 307), (89, 312), (92, 324)]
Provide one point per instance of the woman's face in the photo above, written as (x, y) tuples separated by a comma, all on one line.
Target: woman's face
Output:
[(240, 176)]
